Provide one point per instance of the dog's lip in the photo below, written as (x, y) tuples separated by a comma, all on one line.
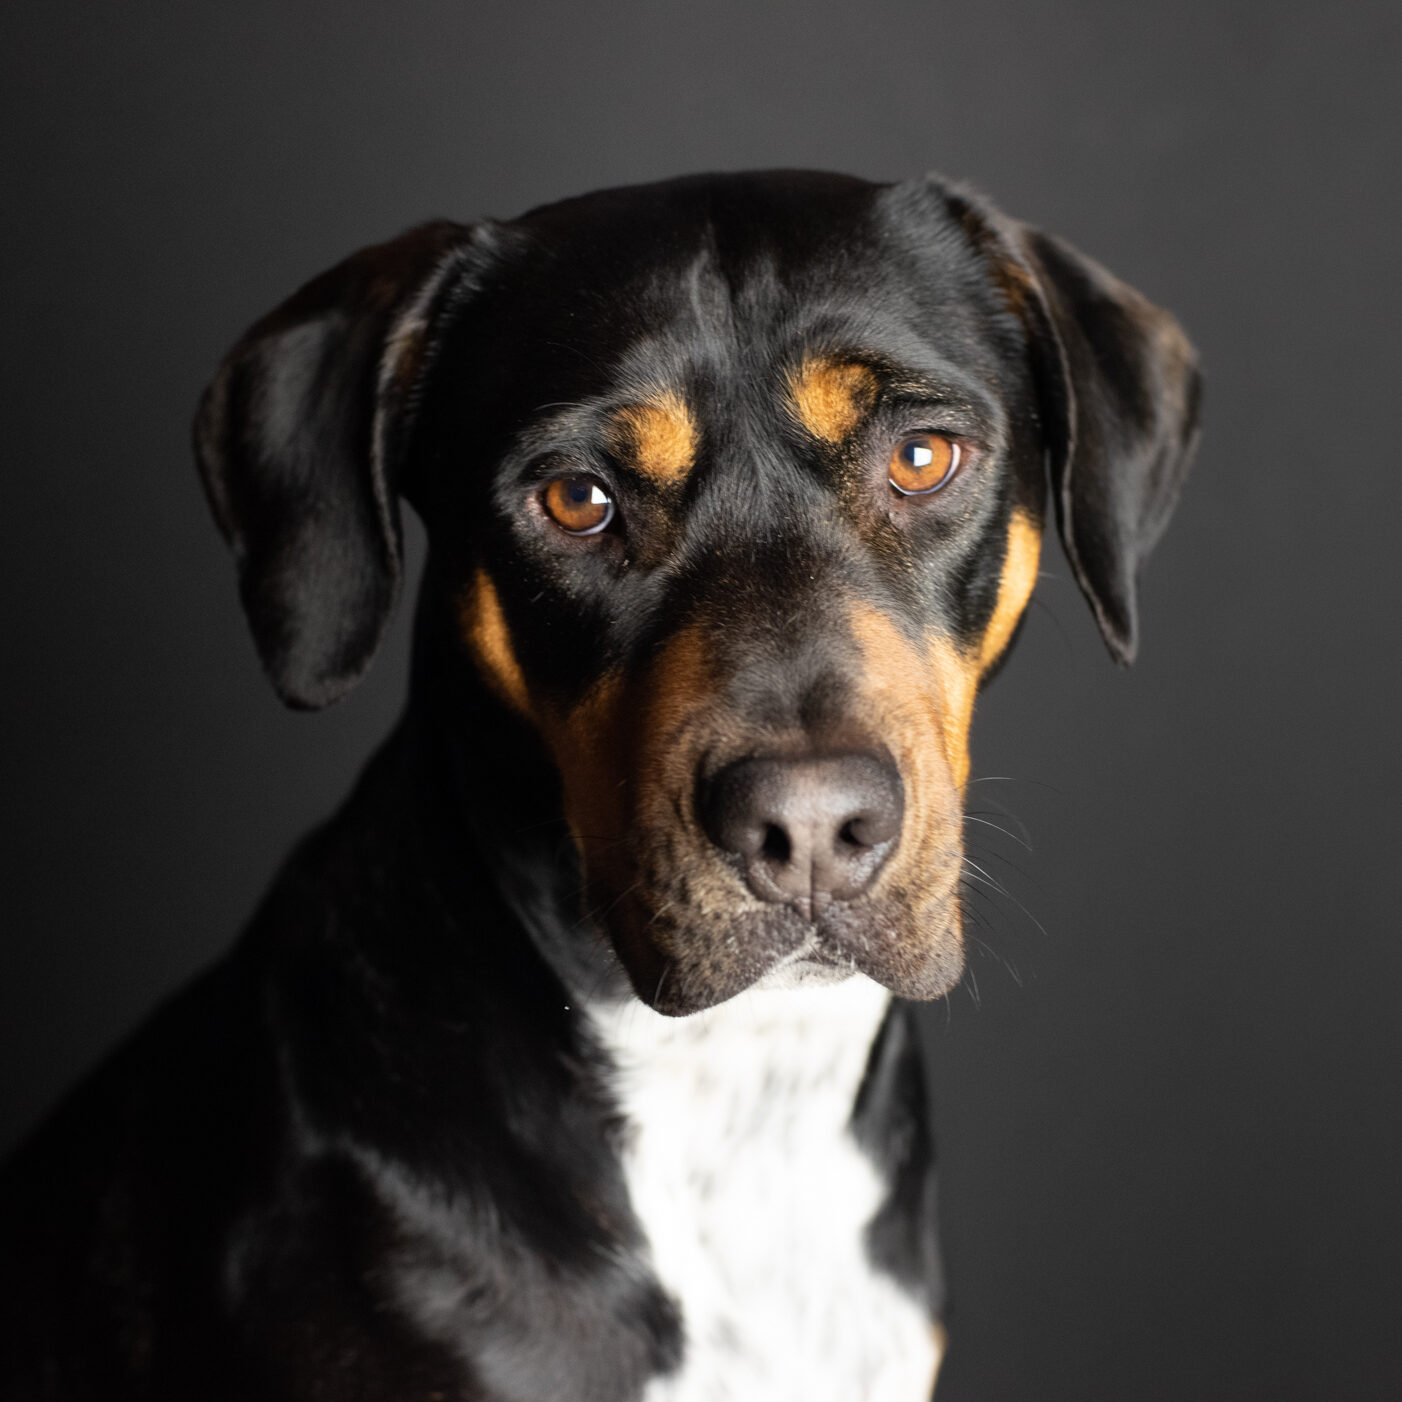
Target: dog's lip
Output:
[(912, 952), (817, 960)]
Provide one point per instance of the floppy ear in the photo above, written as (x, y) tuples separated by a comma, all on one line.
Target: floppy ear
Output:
[(300, 439), (1118, 387)]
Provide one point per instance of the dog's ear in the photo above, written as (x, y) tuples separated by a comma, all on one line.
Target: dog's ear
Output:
[(1118, 389), (300, 439)]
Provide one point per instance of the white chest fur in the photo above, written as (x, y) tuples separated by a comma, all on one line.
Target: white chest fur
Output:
[(755, 1198)]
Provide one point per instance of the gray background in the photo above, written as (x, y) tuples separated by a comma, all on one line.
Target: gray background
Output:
[(1167, 1093)]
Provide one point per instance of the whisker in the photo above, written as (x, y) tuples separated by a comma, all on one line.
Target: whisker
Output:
[(1050, 613), (577, 350), (659, 913), (998, 827), (1006, 894), (1006, 813), (990, 854), (987, 876), (1014, 779), (600, 911), (971, 983), (992, 953)]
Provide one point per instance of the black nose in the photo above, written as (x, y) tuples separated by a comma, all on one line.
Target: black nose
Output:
[(807, 831)]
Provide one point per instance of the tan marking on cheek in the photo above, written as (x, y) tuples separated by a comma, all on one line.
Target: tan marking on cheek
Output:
[(679, 685), (659, 436), (620, 751), (587, 744), (680, 682), (829, 398), (920, 698), (960, 672), (958, 683), (924, 694), (892, 665), (489, 640), (625, 768), (1019, 577)]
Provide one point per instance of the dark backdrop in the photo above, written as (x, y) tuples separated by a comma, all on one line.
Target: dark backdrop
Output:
[(1167, 1091)]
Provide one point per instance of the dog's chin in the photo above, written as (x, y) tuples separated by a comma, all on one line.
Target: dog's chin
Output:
[(678, 967)]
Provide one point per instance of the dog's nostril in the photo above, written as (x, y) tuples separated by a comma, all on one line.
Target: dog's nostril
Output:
[(776, 846), (805, 829), (872, 829)]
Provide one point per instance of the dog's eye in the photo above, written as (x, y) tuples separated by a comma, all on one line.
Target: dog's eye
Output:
[(579, 505), (923, 463)]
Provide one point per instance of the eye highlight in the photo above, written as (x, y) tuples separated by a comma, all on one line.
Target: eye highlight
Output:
[(922, 463), (579, 505)]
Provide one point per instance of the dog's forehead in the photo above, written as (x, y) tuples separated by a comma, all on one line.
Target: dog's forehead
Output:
[(720, 281)]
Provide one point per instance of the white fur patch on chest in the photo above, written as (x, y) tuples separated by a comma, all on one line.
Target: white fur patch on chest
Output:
[(755, 1198)]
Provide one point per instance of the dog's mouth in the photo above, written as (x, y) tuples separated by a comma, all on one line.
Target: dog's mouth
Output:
[(694, 933)]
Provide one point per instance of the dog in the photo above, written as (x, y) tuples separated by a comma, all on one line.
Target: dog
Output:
[(576, 1058)]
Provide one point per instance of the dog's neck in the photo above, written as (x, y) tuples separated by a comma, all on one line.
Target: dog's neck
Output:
[(448, 1028)]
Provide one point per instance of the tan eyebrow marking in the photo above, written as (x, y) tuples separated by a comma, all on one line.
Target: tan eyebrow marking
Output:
[(829, 398), (658, 435)]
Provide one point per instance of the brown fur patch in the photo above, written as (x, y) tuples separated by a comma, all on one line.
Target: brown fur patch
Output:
[(626, 773), (939, 684), (489, 640), (1019, 577), (918, 700), (619, 750), (958, 686), (587, 743), (829, 398), (658, 437), (958, 672)]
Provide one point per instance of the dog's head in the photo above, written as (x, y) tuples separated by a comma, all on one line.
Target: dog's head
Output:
[(737, 483)]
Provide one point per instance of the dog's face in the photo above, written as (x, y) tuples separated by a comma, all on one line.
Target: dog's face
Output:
[(738, 486)]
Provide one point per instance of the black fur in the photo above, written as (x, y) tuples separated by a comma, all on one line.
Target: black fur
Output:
[(374, 1153)]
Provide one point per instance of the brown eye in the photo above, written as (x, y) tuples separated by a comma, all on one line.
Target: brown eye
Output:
[(923, 463), (579, 505)]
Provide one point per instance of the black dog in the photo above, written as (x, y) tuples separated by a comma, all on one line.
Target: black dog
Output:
[(734, 489)]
